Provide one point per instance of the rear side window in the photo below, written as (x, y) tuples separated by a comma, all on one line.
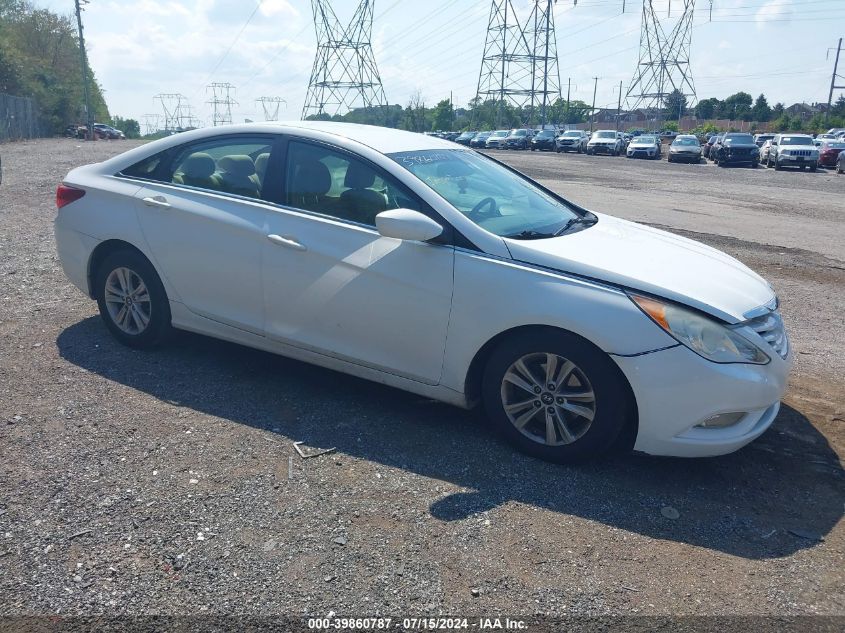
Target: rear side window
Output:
[(235, 165), (144, 169)]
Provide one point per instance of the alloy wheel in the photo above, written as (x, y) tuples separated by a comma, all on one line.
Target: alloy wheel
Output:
[(548, 399), (127, 300)]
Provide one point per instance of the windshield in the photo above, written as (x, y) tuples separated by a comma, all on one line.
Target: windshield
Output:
[(739, 138), (644, 140), (546, 134), (572, 134), (686, 141), (834, 145), (796, 140), (492, 196), (519, 132), (499, 133), (604, 135)]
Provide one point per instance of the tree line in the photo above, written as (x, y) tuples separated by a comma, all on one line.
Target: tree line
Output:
[(495, 114), (39, 58)]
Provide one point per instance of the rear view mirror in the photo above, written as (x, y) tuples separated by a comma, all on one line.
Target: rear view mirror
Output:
[(407, 224)]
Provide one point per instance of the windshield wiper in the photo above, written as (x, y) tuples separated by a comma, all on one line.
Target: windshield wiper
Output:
[(570, 223), (529, 235)]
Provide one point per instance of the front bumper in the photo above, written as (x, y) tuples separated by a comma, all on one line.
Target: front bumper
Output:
[(692, 157), (642, 153), (676, 390), (602, 149), (784, 159)]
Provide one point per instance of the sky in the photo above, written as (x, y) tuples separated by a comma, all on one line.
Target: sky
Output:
[(140, 48)]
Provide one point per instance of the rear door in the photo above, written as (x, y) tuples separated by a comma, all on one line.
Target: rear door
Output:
[(205, 219)]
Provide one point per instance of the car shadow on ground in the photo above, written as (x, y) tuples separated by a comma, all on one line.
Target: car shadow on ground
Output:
[(781, 494)]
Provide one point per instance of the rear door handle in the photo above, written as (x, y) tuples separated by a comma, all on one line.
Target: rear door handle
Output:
[(157, 201), (287, 242)]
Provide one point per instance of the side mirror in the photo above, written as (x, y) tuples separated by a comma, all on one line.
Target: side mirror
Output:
[(407, 224)]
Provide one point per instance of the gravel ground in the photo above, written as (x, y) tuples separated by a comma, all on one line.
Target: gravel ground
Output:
[(167, 483)]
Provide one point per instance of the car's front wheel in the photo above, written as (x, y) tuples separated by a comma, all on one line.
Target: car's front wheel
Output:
[(132, 300), (555, 396)]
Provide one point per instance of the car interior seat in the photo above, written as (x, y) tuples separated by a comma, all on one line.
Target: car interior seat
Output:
[(309, 186), (237, 175), (359, 202), (197, 170), (261, 167)]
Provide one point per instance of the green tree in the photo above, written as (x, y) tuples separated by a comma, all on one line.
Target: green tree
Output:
[(777, 110), (761, 110), (707, 108), (39, 58), (676, 104), (838, 107), (130, 127), (737, 106), (441, 116)]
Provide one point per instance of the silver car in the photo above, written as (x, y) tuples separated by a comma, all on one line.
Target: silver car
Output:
[(644, 146), (572, 141), (685, 148), (606, 142)]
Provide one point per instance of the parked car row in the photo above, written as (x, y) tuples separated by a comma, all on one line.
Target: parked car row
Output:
[(101, 131), (732, 148)]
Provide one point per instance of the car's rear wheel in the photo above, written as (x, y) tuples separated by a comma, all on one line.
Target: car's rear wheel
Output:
[(814, 167), (555, 396), (132, 300)]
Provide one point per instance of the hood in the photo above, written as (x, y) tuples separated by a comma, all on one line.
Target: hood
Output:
[(653, 261)]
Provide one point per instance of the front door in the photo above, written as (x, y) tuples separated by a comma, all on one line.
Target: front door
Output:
[(332, 284)]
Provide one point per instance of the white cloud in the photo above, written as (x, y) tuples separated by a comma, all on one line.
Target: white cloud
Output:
[(274, 7)]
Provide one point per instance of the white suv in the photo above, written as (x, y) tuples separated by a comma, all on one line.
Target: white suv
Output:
[(796, 150)]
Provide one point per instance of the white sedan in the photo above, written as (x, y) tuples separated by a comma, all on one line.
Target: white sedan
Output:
[(417, 263)]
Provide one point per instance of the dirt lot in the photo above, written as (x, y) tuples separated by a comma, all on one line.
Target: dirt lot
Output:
[(158, 483)]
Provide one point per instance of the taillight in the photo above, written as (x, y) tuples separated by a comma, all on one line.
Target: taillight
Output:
[(65, 194)]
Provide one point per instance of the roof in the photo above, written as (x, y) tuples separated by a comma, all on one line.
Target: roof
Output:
[(382, 139)]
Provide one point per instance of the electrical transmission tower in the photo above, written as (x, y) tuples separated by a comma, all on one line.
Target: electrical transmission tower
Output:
[(173, 106), (270, 105), (519, 66), (663, 66), (151, 124), (344, 75), (222, 100)]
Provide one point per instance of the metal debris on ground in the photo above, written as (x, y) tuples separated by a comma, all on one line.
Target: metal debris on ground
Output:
[(315, 454)]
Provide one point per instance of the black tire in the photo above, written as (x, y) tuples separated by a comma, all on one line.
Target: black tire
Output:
[(755, 164), (813, 167), (614, 408), (778, 166), (158, 326)]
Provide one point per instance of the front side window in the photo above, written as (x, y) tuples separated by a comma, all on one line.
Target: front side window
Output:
[(235, 165), (495, 198), (337, 184)]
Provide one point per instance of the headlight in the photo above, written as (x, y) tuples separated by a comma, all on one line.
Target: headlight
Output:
[(705, 336)]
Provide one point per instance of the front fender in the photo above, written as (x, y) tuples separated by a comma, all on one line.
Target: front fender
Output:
[(493, 295)]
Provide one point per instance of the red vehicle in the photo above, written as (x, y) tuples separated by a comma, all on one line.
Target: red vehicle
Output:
[(829, 152)]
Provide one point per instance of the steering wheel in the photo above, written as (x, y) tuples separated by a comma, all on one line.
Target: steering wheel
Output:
[(477, 213)]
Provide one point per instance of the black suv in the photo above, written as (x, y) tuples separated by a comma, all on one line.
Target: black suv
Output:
[(545, 139), (736, 148)]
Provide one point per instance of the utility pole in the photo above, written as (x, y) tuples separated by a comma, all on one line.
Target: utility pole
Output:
[(833, 85), (619, 107), (593, 109), (84, 60)]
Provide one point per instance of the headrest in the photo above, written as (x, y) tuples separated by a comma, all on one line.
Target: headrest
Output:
[(261, 164), (359, 176), (312, 177), (198, 165), (237, 165)]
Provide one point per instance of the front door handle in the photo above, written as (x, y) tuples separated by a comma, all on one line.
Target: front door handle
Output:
[(157, 201), (287, 242)]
